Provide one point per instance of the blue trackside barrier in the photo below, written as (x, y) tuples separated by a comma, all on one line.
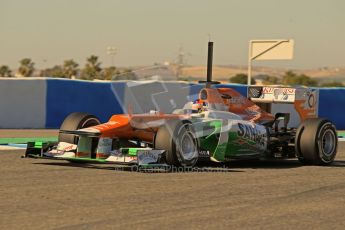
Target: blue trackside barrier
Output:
[(194, 91), (66, 96), (45, 102), (242, 89), (102, 99), (332, 106)]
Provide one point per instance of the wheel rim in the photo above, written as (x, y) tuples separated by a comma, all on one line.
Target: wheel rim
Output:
[(90, 122), (188, 148), (328, 142)]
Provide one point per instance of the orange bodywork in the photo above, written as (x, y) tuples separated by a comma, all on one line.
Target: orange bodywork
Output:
[(305, 111), (238, 104), (144, 126), (137, 126)]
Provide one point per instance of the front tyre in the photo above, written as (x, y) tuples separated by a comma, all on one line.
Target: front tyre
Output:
[(180, 143), (76, 121), (316, 142)]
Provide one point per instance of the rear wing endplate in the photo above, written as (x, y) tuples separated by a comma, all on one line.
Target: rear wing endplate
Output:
[(305, 100)]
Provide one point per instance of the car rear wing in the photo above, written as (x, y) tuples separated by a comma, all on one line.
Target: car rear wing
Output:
[(305, 100), (274, 94)]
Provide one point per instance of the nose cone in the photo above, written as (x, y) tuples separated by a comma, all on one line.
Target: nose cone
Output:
[(115, 122)]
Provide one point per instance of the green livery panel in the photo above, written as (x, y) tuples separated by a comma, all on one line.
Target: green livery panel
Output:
[(232, 139)]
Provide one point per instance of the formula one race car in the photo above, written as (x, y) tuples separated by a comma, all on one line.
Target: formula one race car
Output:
[(221, 125)]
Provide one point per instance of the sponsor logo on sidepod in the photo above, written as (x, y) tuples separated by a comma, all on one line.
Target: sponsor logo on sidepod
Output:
[(251, 133)]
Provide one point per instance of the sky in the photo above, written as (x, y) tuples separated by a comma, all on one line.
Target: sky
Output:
[(152, 31)]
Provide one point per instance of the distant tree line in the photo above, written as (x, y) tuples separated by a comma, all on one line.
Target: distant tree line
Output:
[(70, 69), (93, 70), (289, 78)]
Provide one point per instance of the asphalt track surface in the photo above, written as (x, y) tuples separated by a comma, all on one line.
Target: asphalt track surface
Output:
[(47, 194)]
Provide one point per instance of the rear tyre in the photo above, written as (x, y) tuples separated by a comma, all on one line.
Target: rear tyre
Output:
[(316, 142), (76, 121), (180, 143)]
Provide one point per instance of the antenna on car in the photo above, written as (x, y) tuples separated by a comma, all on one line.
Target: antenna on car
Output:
[(209, 81)]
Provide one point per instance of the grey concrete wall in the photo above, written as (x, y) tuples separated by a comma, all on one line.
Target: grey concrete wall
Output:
[(22, 103)]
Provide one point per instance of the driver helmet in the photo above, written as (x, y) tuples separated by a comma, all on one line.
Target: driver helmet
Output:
[(199, 106)]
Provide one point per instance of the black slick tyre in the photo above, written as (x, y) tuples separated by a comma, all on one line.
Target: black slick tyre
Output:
[(76, 121), (316, 142), (179, 141)]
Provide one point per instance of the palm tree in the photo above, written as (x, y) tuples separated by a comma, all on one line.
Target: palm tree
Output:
[(55, 71), (109, 73), (26, 67), (70, 68), (5, 71), (92, 68)]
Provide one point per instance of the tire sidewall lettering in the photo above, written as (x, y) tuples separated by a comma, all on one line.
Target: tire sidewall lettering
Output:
[(326, 158)]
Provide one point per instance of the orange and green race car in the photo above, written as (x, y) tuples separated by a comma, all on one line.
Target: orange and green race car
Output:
[(220, 126)]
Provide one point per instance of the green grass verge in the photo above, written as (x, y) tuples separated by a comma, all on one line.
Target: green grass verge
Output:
[(4, 141), (341, 133)]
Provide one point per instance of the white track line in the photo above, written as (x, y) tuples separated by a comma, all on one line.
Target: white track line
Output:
[(6, 147)]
